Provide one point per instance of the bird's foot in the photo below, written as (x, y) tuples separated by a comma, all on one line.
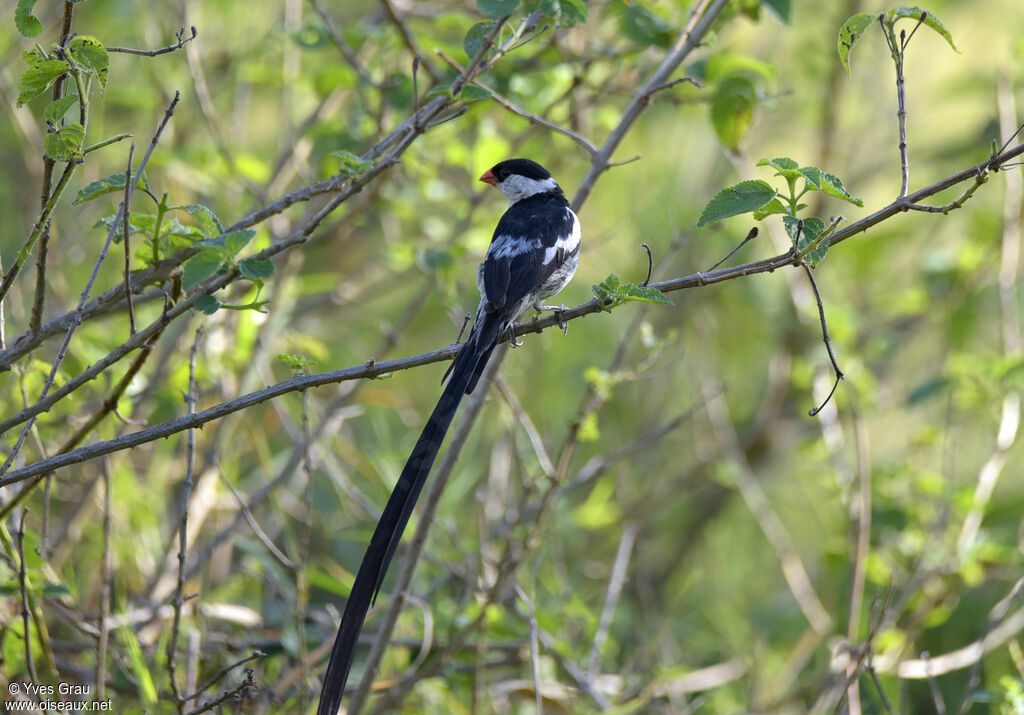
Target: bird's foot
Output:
[(557, 310), (512, 340)]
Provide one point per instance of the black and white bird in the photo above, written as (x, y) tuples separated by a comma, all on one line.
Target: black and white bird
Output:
[(533, 255)]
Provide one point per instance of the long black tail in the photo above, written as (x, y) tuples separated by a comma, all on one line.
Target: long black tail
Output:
[(464, 373)]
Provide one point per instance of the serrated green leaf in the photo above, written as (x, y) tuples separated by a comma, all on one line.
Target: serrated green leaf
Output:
[(812, 228), (352, 165), (90, 53), (66, 143), (612, 293), (473, 93), (27, 23), (201, 266), (55, 111), (915, 13), (296, 362), (237, 240), (830, 184), (850, 34), (497, 8), (772, 207), (739, 199), (784, 166), (732, 109), (38, 77), (106, 185), (206, 219), (134, 225), (474, 39), (207, 304), (256, 268)]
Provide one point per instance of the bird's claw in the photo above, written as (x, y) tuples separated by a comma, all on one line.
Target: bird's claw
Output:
[(512, 341), (558, 310)]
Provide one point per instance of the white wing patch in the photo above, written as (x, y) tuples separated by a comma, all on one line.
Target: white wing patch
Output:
[(568, 244)]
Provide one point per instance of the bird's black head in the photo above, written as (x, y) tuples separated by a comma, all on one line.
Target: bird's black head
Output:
[(519, 178)]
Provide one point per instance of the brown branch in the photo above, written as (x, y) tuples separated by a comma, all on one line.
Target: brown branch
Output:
[(127, 242), (178, 599), (182, 41)]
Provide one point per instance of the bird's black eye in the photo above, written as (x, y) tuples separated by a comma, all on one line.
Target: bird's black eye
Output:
[(503, 173)]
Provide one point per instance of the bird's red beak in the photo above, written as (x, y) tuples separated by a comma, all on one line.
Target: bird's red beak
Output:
[(489, 178)]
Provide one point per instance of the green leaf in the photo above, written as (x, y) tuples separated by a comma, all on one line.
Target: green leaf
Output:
[(296, 362), (732, 109), (850, 34), (256, 268), (138, 668), (739, 199), (644, 27), (473, 93), (351, 165), (812, 228), (39, 76), (106, 185), (27, 23), (915, 13), (90, 53), (781, 9), (784, 166), (772, 207), (66, 143), (201, 266), (830, 184), (474, 39), (237, 240), (137, 223), (497, 8), (206, 219), (612, 293), (442, 90), (565, 13), (207, 304), (55, 111)]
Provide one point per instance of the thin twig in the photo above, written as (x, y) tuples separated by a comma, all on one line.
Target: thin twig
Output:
[(236, 693), (26, 611), (407, 37), (751, 235), (611, 596), (106, 576), (824, 336), (127, 245), (347, 53), (180, 35), (178, 600)]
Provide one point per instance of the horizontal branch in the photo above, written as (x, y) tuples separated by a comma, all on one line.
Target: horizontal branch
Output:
[(372, 369)]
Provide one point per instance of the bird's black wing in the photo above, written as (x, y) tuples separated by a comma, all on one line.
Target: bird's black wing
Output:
[(524, 250)]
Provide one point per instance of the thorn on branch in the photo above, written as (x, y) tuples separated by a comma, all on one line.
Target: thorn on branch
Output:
[(751, 235), (650, 265)]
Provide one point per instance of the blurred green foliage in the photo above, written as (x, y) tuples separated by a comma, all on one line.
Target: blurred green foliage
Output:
[(923, 312)]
